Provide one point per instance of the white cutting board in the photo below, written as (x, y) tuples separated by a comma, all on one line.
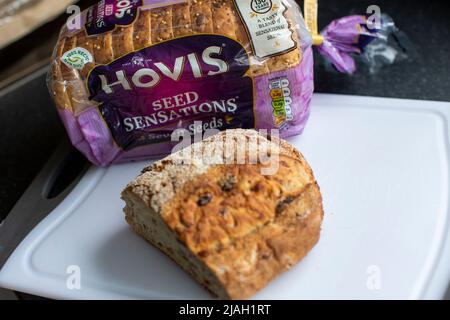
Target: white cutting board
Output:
[(383, 167)]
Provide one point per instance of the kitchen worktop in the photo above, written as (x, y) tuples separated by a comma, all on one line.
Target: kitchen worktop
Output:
[(30, 129)]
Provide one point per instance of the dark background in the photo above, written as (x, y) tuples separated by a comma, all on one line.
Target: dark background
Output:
[(30, 129), (425, 76)]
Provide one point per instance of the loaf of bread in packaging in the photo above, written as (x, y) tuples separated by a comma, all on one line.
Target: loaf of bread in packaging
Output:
[(230, 227), (126, 74), (153, 26)]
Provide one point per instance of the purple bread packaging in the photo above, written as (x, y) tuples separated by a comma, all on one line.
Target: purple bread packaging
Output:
[(130, 73)]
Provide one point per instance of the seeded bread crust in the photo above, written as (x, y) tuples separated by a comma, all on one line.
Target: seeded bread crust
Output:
[(151, 27), (230, 227)]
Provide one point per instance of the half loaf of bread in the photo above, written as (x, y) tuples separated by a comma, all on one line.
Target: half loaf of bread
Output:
[(232, 228)]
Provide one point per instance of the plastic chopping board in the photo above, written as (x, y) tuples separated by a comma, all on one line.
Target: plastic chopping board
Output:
[(383, 168)]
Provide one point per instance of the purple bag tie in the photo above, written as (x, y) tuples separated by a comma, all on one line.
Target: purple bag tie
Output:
[(347, 36)]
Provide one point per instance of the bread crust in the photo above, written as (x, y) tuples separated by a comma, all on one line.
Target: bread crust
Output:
[(246, 228), (154, 26)]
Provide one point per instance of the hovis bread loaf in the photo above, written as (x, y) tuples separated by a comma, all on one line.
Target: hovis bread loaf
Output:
[(127, 73)]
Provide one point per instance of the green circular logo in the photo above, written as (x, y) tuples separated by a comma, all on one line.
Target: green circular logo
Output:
[(77, 58)]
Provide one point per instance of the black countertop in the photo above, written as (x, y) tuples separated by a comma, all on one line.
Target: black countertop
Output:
[(425, 77), (30, 129)]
